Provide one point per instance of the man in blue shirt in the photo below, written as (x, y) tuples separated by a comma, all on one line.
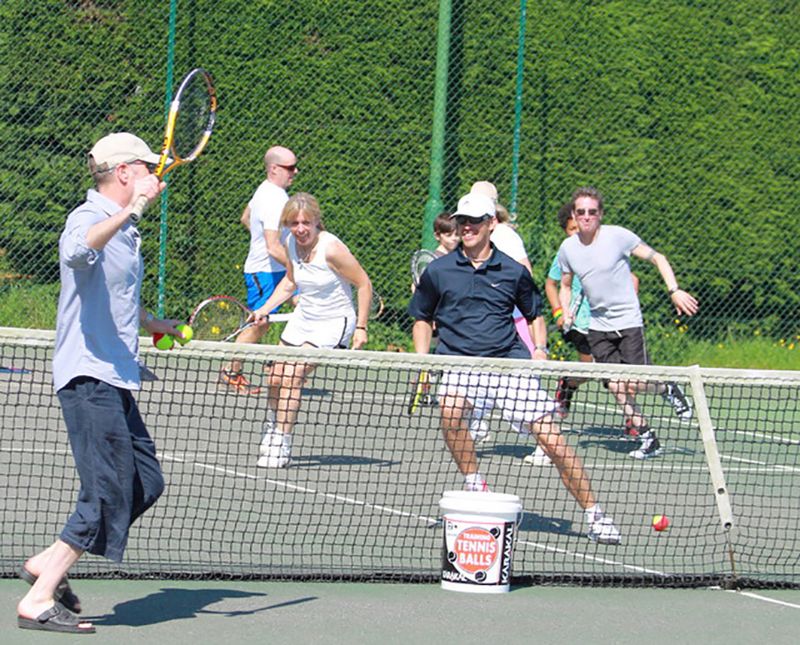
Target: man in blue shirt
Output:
[(470, 294), (95, 368)]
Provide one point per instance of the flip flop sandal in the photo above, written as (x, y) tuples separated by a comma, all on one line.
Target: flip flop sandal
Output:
[(63, 592), (55, 619)]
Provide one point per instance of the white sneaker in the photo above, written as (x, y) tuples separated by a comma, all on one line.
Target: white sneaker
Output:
[(651, 447), (603, 531), (538, 458), (275, 450), (677, 399), (479, 430)]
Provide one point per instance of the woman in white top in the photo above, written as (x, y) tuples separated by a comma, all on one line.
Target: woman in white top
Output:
[(321, 269)]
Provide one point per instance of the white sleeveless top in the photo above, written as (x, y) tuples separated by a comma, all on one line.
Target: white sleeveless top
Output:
[(323, 293)]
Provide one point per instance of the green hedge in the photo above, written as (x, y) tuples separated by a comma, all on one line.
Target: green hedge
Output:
[(682, 113)]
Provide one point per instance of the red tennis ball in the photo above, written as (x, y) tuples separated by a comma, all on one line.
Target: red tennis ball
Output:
[(660, 522), (163, 341)]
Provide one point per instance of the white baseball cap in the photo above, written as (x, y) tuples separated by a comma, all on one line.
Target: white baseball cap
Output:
[(475, 205), (117, 148)]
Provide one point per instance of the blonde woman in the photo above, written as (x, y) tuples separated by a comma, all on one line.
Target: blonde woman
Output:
[(322, 271)]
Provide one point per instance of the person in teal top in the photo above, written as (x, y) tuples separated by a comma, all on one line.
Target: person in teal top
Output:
[(577, 302)]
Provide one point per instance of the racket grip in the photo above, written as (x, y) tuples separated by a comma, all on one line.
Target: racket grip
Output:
[(138, 208)]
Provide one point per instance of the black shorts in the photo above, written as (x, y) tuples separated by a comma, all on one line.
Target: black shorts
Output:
[(624, 346), (578, 340)]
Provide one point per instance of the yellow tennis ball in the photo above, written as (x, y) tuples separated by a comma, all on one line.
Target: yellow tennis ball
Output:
[(186, 333), (163, 341)]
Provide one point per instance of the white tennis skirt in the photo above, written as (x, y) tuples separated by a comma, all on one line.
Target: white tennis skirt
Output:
[(326, 333)]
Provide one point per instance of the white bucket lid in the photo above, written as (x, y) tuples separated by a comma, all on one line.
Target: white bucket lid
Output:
[(485, 503), (463, 494)]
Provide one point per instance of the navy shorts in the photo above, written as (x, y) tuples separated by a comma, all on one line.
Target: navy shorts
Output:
[(116, 460)]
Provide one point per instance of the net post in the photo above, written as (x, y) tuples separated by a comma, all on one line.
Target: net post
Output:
[(710, 448), (714, 468)]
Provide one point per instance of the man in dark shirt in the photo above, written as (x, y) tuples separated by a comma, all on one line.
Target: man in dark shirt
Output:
[(470, 294)]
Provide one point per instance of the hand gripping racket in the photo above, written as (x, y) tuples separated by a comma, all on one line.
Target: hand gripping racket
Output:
[(419, 262), (189, 123)]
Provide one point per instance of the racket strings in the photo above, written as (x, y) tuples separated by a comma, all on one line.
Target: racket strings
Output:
[(194, 119), (419, 262), (217, 319)]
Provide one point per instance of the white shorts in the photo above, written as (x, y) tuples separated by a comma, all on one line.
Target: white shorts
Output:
[(520, 397), (328, 333)]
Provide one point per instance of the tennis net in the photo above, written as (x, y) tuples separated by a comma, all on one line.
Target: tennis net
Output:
[(359, 500)]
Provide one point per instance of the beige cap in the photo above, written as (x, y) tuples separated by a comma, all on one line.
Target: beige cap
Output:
[(117, 148), (485, 188)]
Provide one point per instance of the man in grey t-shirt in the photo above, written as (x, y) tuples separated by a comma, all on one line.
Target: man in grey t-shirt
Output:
[(599, 256)]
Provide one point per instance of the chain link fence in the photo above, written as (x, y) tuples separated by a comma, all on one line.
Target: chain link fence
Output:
[(684, 114)]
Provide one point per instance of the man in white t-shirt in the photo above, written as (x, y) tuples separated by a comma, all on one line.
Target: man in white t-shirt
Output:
[(265, 265), (599, 254)]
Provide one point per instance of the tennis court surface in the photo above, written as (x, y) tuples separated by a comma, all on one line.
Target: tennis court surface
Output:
[(360, 499)]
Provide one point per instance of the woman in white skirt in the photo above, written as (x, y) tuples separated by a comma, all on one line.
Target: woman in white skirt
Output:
[(322, 271)]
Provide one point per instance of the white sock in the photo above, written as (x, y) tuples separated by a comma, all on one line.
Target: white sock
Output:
[(594, 513), (474, 480)]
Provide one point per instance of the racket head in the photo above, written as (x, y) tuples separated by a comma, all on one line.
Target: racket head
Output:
[(376, 306), (190, 121), (218, 318), (419, 262)]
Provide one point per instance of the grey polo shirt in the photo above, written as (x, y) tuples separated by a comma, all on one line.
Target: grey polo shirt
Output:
[(605, 274), (97, 329), (473, 308)]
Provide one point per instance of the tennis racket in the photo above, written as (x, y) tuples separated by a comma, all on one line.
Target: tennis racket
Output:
[(421, 391), (573, 311), (419, 262), (223, 318), (189, 123), (376, 306)]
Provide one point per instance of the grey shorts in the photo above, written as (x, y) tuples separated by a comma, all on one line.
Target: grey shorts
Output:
[(623, 346)]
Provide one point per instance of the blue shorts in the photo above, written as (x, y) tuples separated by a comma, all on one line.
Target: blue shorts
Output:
[(261, 286), (116, 461)]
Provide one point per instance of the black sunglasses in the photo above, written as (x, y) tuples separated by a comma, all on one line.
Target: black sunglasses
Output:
[(151, 167), (467, 219), (290, 168)]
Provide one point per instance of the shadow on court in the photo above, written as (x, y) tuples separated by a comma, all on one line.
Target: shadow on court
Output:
[(331, 461), (175, 604), (544, 524)]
